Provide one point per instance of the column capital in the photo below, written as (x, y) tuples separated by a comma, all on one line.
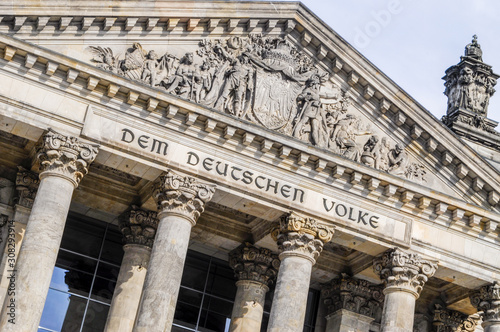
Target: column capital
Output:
[(26, 186), (65, 156), (487, 300), (450, 321), (355, 295), (138, 226), (302, 236), (403, 271), (254, 264), (180, 195)]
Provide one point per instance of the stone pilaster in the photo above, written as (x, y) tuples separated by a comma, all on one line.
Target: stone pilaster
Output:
[(26, 187), (63, 162), (180, 201), (352, 304), (452, 321), (487, 301), (256, 270), (404, 275), (139, 229), (300, 241)]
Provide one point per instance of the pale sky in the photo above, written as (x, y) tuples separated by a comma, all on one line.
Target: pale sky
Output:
[(414, 41)]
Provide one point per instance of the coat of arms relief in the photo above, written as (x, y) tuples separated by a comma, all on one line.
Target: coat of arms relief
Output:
[(268, 81)]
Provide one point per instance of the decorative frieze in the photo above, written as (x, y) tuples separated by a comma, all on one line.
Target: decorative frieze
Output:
[(66, 156), (26, 186), (180, 195), (401, 270), (487, 301), (267, 81), (255, 264), (356, 295), (452, 321), (301, 236), (138, 226)]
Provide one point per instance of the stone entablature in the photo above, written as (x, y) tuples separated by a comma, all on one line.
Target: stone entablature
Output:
[(452, 321), (138, 226), (356, 295), (403, 271), (181, 195), (65, 156), (266, 143), (487, 301), (254, 264), (302, 236)]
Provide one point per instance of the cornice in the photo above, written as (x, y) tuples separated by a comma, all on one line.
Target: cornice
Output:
[(271, 145)]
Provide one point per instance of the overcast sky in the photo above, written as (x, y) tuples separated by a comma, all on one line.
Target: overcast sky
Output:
[(415, 41)]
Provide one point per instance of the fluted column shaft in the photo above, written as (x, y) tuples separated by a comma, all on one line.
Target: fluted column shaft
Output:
[(487, 301), (256, 269), (300, 240), (139, 229), (63, 161), (404, 275), (180, 202)]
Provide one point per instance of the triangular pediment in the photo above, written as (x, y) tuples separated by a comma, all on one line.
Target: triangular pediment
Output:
[(287, 73)]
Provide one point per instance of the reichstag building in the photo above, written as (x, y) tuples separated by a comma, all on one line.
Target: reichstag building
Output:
[(221, 166)]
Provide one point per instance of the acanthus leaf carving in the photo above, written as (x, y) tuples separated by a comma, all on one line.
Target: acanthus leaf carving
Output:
[(26, 186), (356, 295), (270, 82), (453, 321), (138, 226), (487, 300), (255, 264), (301, 236), (399, 269), (185, 196), (65, 155)]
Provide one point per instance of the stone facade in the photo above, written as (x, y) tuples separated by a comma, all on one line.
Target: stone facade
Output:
[(250, 132)]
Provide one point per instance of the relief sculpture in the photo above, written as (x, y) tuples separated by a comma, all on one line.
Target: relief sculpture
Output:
[(268, 81)]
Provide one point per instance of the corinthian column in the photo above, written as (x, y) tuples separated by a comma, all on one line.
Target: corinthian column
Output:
[(63, 163), (256, 269), (404, 275), (180, 201), (300, 241), (487, 301), (449, 321), (352, 304), (139, 229)]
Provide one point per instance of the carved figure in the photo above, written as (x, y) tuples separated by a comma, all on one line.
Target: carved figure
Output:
[(370, 152), (150, 68), (202, 82), (181, 83), (397, 160), (311, 111), (104, 58), (383, 154), (238, 85)]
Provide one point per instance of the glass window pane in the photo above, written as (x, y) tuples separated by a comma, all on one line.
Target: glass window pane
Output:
[(186, 315), (189, 296), (63, 312), (195, 271), (105, 282), (69, 280), (212, 322), (219, 306), (221, 281), (112, 250), (84, 237), (95, 317)]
